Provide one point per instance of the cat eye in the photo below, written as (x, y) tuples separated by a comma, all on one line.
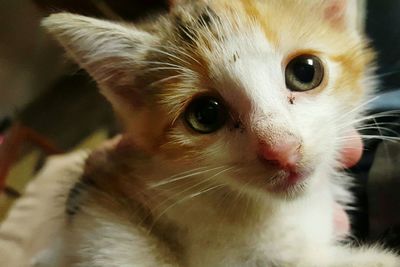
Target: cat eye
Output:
[(206, 114), (304, 73)]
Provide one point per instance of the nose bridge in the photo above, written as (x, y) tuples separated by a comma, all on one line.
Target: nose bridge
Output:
[(273, 125)]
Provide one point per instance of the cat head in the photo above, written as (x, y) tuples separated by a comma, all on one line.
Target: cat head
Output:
[(261, 91)]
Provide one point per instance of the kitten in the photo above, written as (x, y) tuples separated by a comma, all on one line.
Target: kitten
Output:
[(235, 113)]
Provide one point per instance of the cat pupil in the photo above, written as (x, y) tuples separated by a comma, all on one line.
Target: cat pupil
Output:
[(205, 115), (304, 73), (208, 113), (304, 70)]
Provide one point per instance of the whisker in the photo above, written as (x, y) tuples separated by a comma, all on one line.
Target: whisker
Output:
[(381, 123), (190, 196), (385, 129), (385, 114), (378, 137), (381, 75), (185, 175), (205, 191), (357, 108)]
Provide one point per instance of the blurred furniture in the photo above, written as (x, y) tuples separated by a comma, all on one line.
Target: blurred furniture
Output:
[(13, 138), (23, 244)]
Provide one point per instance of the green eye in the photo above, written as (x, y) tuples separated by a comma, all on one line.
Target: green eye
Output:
[(304, 73), (206, 114)]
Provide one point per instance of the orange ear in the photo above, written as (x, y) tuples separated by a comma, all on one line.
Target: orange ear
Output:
[(344, 13), (335, 11), (172, 3)]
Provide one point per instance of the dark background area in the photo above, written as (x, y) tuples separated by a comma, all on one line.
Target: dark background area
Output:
[(124, 9), (383, 27), (378, 218)]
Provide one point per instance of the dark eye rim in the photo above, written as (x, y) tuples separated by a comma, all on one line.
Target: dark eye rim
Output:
[(322, 63), (223, 119)]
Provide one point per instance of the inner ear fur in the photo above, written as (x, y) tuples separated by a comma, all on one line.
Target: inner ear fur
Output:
[(112, 53)]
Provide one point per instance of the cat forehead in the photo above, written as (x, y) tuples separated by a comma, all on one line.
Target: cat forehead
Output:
[(286, 25), (244, 44)]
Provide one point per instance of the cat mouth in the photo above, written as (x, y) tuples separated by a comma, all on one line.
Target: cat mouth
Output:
[(286, 181), (289, 180), (289, 174)]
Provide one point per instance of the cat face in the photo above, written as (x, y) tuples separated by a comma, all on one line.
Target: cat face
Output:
[(261, 91)]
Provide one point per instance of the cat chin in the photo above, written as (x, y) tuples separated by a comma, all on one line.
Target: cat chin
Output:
[(291, 178), (272, 182)]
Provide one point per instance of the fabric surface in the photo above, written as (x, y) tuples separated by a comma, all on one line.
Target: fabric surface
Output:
[(32, 223)]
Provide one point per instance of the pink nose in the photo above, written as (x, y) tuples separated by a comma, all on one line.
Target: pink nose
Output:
[(286, 154)]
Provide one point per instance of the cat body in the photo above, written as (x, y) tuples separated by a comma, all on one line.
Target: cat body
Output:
[(235, 113)]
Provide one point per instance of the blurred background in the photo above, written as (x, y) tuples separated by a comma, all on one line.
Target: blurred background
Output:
[(49, 106)]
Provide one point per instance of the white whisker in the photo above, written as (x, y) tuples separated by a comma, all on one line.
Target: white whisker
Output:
[(357, 108), (378, 137), (190, 196), (185, 175), (354, 123)]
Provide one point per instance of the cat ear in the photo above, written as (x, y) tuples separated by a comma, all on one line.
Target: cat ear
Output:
[(173, 3), (345, 13), (110, 52)]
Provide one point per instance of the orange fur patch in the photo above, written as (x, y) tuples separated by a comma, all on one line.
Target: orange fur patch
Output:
[(254, 12), (354, 63)]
